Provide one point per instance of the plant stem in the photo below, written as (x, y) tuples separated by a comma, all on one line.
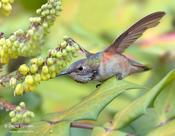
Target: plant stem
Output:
[(82, 125), (6, 105)]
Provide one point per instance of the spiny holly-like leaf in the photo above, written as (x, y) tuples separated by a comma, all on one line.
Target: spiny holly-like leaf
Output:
[(99, 131), (145, 123), (43, 128), (91, 106), (166, 130), (61, 129), (162, 111), (138, 107), (164, 103)]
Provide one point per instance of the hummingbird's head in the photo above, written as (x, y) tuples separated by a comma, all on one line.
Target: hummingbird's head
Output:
[(81, 71)]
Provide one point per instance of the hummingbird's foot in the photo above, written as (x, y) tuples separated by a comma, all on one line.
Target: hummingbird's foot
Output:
[(98, 85), (119, 76)]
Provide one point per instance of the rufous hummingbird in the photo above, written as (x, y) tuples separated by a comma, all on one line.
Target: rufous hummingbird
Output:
[(109, 62)]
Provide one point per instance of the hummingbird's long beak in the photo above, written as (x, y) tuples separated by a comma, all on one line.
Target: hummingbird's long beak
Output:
[(63, 73)]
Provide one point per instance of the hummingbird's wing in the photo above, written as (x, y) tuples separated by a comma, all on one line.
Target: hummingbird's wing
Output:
[(71, 42), (87, 53), (134, 32)]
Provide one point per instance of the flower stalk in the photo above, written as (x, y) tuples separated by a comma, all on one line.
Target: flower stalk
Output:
[(39, 69), (28, 43)]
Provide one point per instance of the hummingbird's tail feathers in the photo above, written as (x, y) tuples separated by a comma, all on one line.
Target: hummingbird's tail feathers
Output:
[(138, 67), (134, 32), (146, 68), (143, 68)]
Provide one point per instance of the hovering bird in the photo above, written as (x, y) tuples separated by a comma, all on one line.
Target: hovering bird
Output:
[(109, 62)]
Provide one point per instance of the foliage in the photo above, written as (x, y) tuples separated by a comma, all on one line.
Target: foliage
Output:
[(5, 6), (88, 109), (140, 105), (28, 43), (20, 115), (59, 123), (41, 69)]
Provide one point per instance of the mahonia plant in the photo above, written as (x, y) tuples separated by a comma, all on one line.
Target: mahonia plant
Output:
[(6, 7), (20, 116), (28, 76), (28, 43)]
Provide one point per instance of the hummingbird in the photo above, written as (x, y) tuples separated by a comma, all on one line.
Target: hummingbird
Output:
[(111, 61)]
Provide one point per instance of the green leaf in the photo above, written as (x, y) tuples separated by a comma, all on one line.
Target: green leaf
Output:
[(146, 122), (40, 128), (61, 129), (162, 111), (99, 131), (138, 107), (164, 103), (44, 129), (165, 130), (90, 107)]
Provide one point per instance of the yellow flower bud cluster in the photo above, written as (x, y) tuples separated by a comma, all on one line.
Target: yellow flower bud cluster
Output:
[(41, 69), (48, 13), (28, 43), (20, 115), (6, 7)]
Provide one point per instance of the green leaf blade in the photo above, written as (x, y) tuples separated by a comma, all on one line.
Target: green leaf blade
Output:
[(91, 106), (45, 129), (165, 130), (99, 131), (138, 107)]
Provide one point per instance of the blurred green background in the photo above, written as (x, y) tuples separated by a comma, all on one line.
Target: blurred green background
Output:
[(95, 24)]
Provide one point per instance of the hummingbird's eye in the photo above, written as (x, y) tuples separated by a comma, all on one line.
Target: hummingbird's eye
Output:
[(80, 68)]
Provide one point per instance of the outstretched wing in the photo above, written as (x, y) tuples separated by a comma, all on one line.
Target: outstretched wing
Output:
[(71, 42), (134, 32)]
